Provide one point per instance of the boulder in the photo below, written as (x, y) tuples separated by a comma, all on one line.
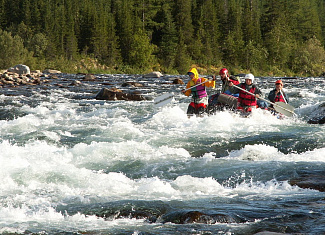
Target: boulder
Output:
[(51, 71), (116, 94), (153, 75), (20, 69), (186, 217), (310, 180), (132, 84), (318, 116), (89, 77), (317, 120), (178, 81)]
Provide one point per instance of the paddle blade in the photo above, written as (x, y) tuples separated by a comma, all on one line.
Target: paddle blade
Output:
[(163, 99), (284, 108)]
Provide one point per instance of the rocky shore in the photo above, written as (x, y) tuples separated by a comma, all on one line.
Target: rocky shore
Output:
[(20, 75)]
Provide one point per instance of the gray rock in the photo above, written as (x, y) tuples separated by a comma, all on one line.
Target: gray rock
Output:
[(153, 75), (20, 69)]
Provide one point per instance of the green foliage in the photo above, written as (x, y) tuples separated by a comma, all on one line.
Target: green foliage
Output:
[(38, 44), (255, 57), (140, 54), (12, 50), (263, 36), (310, 58)]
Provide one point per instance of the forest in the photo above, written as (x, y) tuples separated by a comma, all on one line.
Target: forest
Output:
[(265, 37)]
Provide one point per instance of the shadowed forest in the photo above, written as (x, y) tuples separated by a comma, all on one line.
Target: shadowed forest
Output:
[(265, 37)]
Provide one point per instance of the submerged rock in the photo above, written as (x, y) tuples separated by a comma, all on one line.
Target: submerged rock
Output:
[(178, 81), (317, 120), (186, 217), (116, 94), (310, 181), (318, 116)]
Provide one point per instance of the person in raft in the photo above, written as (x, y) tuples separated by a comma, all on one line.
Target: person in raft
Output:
[(199, 94), (277, 94), (225, 79), (246, 101), (224, 99)]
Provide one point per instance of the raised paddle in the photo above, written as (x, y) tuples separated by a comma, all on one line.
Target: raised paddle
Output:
[(168, 97), (283, 96), (280, 107)]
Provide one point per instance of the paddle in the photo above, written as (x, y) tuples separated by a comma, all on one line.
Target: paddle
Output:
[(283, 96), (168, 97), (280, 107)]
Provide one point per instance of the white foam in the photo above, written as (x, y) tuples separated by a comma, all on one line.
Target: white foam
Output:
[(262, 152)]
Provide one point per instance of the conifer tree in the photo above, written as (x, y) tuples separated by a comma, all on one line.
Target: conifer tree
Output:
[(167, 35), (304, 20), (232, 38), (250, 21), (184, 27), (207, 33), (3, 20), (124, 26)]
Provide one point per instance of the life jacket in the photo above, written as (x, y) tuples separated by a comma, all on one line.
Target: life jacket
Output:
[(199, 91), (246, 99), (279, 98), (235, 82)]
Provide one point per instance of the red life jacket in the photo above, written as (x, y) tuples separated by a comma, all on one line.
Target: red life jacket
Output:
[(235, 82), (246, 99), (279, 98)]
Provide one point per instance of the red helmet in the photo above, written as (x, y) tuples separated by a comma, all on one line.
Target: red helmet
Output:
[(224, 71)]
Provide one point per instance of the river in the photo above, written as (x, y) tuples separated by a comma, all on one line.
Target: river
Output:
[(71, 164)]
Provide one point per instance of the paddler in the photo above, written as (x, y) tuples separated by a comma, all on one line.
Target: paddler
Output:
[(224, 99), (199, 94), (225, 79), (277, 94), (246, 101)]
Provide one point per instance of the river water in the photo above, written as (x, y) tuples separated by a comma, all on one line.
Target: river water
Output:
[(71, 164)]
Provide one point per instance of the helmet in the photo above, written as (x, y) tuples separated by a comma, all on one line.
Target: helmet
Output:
[(279, 81), (224, 71), (249, 76)]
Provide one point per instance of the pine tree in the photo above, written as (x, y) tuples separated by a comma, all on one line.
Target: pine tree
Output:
[(167, 35), (250, 22), (3, 19), (184, 27), (207, 33), (124, 26), (232, 39), (304, 20)]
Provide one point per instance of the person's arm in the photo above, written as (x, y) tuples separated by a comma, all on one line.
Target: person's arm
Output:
[(232, 88), (234, 80), (271, 96), (258, 92), (210, 83), (188, 91)]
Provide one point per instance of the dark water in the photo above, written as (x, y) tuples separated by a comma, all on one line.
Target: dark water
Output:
[(72, 164)]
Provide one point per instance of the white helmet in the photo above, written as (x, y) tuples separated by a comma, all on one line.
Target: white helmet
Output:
[(249, 76)]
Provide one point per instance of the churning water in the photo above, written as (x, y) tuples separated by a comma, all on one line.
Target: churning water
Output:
[(71, 164)]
